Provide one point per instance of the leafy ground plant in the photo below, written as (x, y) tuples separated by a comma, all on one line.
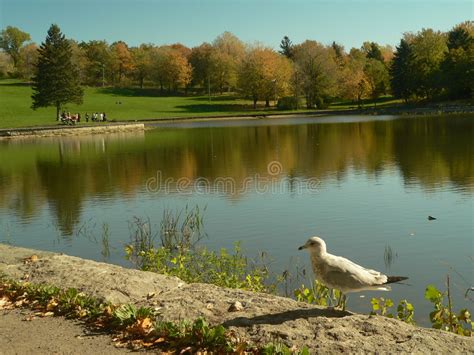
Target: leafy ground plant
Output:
[(405, 310), (443, 317)]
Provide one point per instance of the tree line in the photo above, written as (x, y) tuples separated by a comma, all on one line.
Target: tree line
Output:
[(426, 65)]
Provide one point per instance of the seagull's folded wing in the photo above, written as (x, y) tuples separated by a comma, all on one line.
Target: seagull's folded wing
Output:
[(348, 276)]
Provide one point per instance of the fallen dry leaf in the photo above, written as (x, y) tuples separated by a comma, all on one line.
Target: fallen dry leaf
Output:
[(141, 326), (52, 304), (32, 259), (185, 350), (5, 303)]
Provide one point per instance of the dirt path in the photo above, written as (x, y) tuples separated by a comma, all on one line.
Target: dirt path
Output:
[(23, 333)]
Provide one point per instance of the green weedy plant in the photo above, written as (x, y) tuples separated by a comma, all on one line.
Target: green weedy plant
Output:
[(179, 255), (381, 306), (442, 317), (128, 314), (405, 310), (318, 294), (197, 335)]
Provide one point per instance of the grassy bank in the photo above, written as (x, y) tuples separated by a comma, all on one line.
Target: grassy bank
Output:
[(119, 104)]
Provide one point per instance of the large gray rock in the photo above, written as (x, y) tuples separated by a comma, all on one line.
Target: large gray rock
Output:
[(264, 317)]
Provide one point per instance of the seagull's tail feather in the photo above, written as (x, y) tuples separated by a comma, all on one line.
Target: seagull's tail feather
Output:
[(392, 279)]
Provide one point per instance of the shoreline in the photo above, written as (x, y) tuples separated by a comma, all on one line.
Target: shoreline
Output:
[(145, 123), (263, 318)]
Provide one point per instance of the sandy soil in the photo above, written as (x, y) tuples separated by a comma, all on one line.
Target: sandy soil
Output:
[(23, 333)]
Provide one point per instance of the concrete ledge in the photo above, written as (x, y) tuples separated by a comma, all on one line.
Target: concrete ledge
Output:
[(70, 130)]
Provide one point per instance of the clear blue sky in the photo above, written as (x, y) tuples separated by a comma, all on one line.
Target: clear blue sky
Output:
[(192, 22)]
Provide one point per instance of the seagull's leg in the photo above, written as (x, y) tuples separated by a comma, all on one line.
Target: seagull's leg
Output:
[(339, 300), (341, 303)]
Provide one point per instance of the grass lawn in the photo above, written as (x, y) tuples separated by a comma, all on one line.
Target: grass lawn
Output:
[(118, 104), (124, 104)]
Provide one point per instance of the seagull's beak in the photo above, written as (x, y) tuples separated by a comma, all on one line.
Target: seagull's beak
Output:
[(302, 247)]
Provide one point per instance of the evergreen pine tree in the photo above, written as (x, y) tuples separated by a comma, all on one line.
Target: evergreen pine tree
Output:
[(374, 52), (457, 68), (56, 81), (401, 79), (286, 47)]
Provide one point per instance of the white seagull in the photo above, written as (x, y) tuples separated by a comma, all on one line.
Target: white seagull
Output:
[(340, 273)]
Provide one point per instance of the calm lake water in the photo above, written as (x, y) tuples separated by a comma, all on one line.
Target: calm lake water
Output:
[(364, 184)]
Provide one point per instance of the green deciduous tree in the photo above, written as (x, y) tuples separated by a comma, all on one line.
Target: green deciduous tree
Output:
[(11, 41), (353, 81), (377, 78), (429, 50), (228, 54), (317, 71), (56, 80), (203, 62), (98, 62), (141, 62)]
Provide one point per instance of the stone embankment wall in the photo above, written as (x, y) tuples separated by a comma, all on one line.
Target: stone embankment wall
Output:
[(70, 130)]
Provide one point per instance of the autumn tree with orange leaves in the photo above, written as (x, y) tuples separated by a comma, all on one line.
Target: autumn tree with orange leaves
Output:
[(264, 75), (171, 69), (122, 61)]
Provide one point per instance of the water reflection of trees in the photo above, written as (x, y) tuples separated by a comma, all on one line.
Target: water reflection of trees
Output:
[(64, 172)]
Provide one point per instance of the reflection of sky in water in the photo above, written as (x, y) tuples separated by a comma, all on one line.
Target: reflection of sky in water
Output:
[(359, 213)]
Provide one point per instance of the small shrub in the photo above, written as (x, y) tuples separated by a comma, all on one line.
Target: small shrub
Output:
[(442, 317), (321, 103), (288, 103), (382, 306)]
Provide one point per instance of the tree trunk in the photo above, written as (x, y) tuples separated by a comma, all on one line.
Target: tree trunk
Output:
[(254, 103), (267, 103), (141, 82), (58, 108)]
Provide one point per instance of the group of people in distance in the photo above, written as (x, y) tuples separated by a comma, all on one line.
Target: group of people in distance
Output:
[(67, 118), (97, 117)]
